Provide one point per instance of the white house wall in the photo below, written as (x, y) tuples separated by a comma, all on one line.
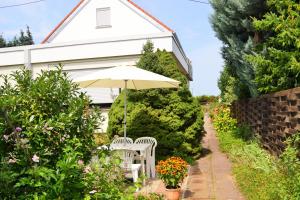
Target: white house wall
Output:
[(87, 64), (96, 49), (125, 21), (11, 56), (82, 57)]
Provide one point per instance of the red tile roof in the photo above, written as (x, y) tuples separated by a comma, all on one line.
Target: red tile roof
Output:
[(81, 1)]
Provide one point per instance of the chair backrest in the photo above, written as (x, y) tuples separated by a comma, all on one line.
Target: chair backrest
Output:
[(147, 140), (122, 140), (127, 157)]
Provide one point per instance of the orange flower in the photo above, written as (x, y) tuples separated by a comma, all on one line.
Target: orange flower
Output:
[(172, 171)]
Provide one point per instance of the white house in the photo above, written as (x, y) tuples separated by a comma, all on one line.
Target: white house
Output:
[(97, 34)]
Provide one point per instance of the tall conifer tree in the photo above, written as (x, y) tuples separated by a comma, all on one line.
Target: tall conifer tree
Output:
[(232, 22), (172, 116), (23, 39), (2, 42)]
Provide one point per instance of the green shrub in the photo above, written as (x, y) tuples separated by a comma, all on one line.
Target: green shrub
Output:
[(105, 179), (46, 136), (276, 60), (290, 167), (172, 116), (40, 115), (223, 122), (258, 174)]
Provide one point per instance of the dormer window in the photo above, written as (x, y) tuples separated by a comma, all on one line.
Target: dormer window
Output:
[(103, 19)]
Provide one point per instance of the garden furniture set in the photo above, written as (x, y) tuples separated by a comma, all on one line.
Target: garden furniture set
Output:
[(136, 156)]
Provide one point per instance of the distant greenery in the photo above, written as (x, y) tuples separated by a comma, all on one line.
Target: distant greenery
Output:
[(258, 174), (205, 99), (22, 39), (172, 116)]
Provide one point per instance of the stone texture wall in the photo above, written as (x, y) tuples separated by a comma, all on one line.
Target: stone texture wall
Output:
[(273, 117)]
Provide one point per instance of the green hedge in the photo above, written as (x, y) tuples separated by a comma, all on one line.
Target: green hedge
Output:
[(172, 116)]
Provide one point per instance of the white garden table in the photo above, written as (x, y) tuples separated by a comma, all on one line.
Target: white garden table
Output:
[(145, 152)]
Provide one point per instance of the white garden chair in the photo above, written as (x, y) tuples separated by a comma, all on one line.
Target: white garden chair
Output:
[(127, 158), (120, 141), (153, 142)]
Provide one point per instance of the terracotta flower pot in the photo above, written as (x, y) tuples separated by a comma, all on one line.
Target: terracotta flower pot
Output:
[(173, 194)]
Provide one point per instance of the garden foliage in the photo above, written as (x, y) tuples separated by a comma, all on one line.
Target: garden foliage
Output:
[(277, 59), (206, 99), (232, 23), (258, 174), (261, 46), (46, 142), (172, 116)]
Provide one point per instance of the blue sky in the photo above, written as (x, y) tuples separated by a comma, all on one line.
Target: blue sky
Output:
[(190, 20)]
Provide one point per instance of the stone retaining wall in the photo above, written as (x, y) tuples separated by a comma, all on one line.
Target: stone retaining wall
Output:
[(273, 117)]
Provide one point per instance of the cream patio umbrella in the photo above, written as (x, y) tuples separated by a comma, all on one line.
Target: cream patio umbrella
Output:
[(127, 77)]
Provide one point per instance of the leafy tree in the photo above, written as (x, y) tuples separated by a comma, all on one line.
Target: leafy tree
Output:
[(45, 113), (46, 126), (277, 60), (172, 116), (232, 22)]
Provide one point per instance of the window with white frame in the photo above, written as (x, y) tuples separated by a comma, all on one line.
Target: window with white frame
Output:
[(103, 17)]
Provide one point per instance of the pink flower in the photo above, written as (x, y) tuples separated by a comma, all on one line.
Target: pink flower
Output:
[(80, 162), (35, 158), (87, 169), (18, 129)]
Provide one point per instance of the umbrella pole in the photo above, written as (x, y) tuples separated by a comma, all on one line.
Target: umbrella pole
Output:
[(125, 110)]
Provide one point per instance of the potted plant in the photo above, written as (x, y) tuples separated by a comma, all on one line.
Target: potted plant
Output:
[(172, 171)]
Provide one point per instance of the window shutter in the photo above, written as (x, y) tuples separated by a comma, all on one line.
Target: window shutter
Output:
[(103, 18)]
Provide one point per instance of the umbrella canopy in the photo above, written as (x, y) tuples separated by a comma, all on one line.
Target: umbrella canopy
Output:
[(127, 77), (137, 79)]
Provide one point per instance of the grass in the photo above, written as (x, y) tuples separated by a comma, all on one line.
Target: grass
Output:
[(258, 174)]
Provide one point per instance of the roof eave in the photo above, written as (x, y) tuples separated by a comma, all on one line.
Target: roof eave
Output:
[(62, 22)]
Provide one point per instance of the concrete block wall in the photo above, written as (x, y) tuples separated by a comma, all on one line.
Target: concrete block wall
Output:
[(274, 117)]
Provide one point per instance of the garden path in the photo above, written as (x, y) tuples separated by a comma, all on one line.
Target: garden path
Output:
[(210, 177)]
